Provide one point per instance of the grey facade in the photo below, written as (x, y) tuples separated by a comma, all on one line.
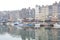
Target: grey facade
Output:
[(27, 13)]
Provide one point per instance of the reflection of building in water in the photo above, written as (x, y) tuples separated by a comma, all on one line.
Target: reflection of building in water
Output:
[(41, 34), (3, 29), (48, 33), (27, 34)]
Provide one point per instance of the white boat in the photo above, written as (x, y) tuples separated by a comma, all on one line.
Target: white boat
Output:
[(37, 25), (56, 25)]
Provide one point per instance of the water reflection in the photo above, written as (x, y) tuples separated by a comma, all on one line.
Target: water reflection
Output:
[(20, 34), (42, 33)]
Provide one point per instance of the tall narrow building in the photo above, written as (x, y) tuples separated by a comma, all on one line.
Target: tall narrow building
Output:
[(37, 14), (58, 11), (44, 13), (55, 12)]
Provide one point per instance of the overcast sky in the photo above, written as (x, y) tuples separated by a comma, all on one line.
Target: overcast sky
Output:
[(19, 4)]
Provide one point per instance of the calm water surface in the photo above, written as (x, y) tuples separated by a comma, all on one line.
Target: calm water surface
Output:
[(12, 33)]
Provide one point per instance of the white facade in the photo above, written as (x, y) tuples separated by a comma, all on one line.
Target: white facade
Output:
[(37, 14), (44, 13)]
